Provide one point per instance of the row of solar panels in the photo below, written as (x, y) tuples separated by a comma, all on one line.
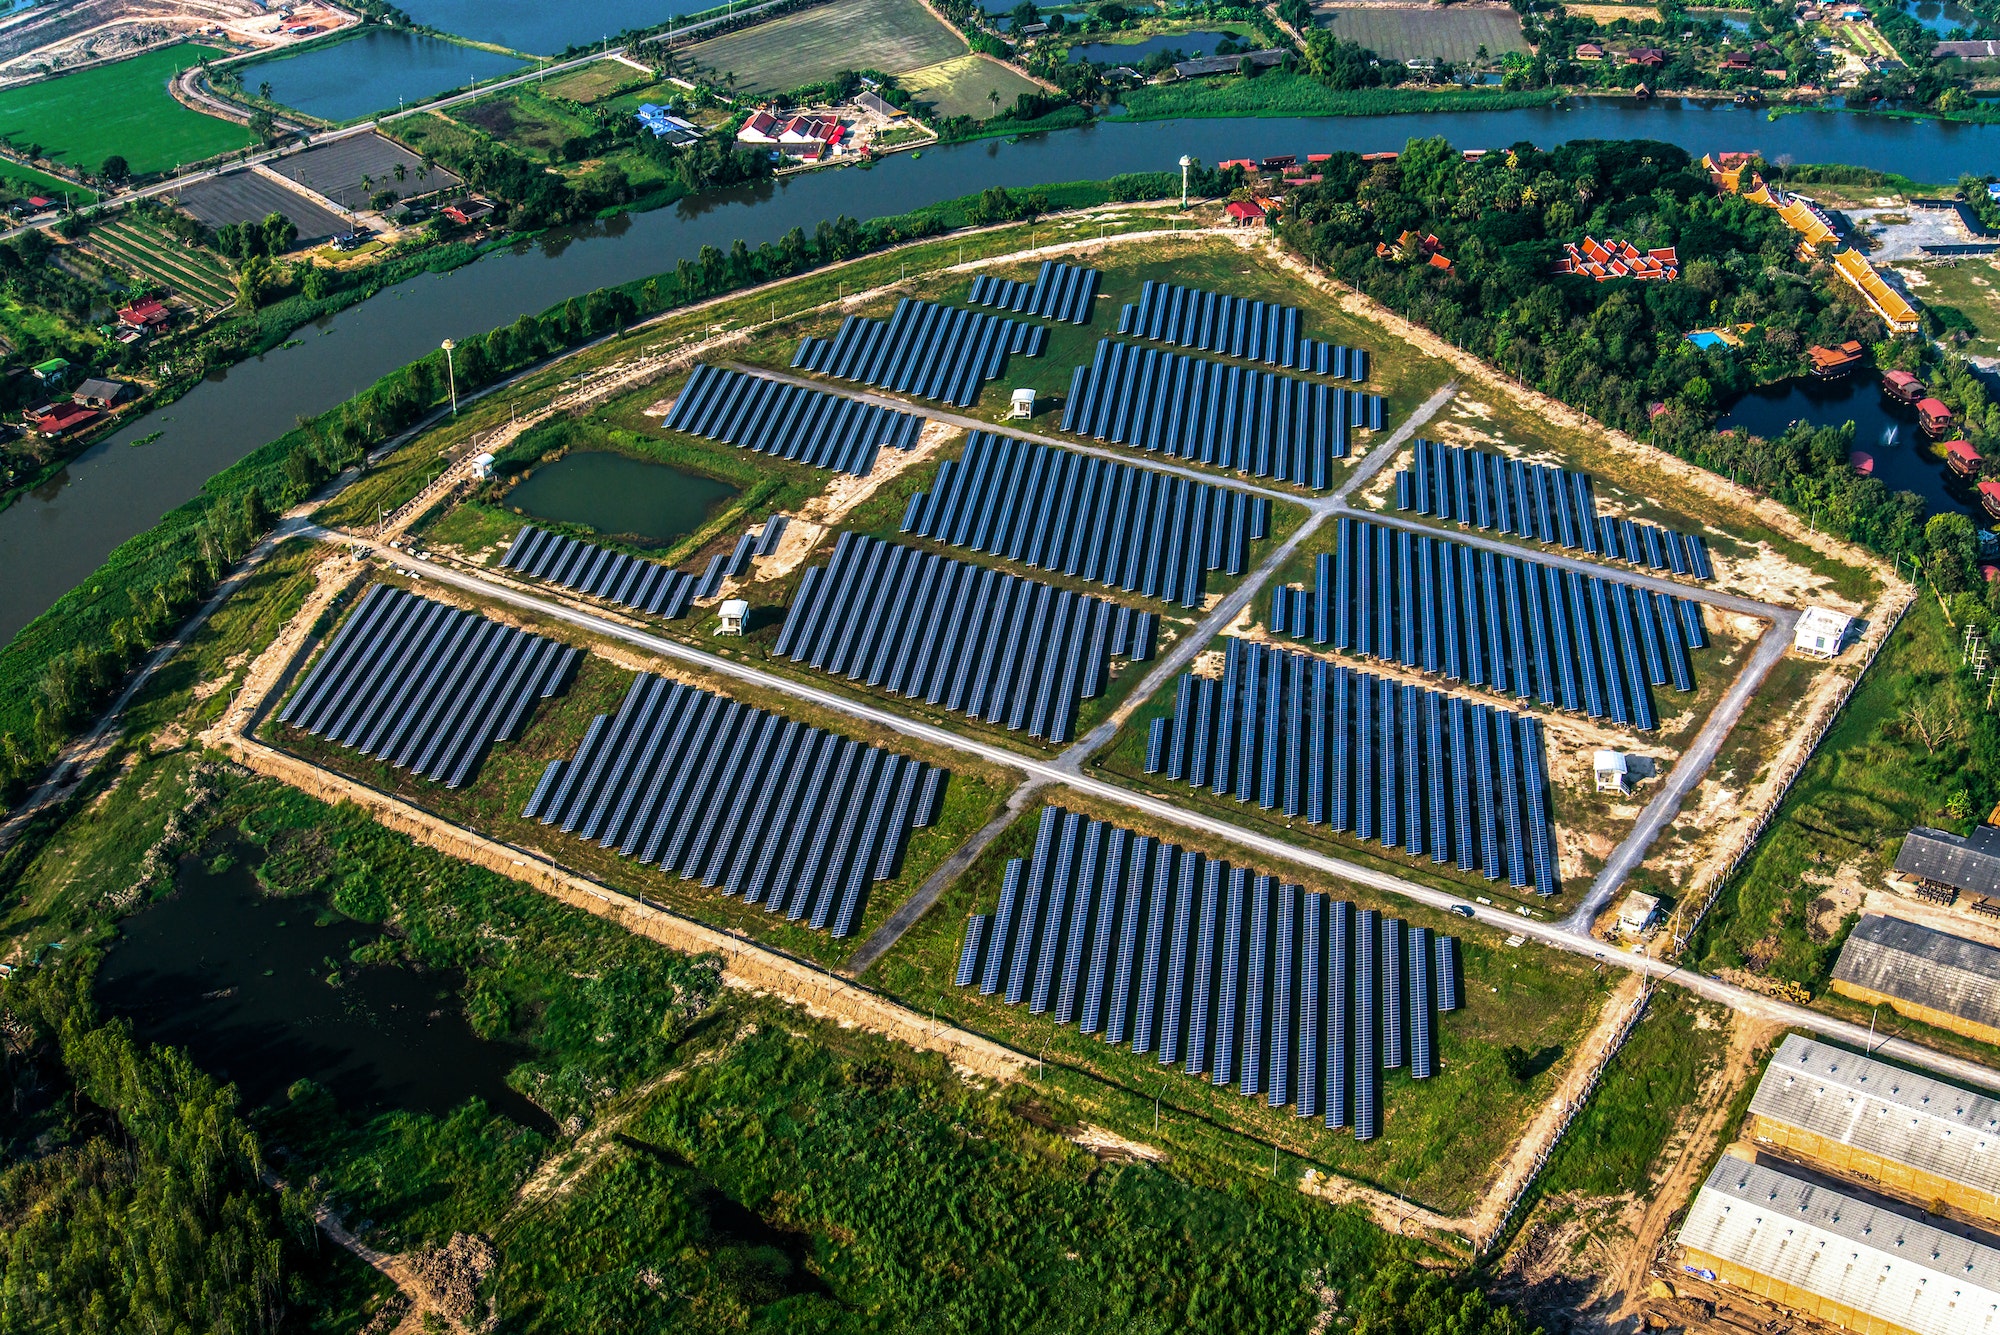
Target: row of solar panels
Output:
[(930, 351), (1131, 528), (585, 567), (1551, 505), (1578, 641), (1235, 417), (1385, 760), (793, 818), (789, 421), (426, 687), (1296, 997), (1189, 317), (1061, 292), (966, 638)]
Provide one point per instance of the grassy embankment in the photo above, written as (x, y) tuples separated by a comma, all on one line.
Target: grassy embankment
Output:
[(1275, 93)]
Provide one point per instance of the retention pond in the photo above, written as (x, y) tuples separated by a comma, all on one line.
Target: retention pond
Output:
[(615, 493)]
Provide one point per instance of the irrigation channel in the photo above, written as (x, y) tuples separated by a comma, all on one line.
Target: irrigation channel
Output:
[(55, 538)]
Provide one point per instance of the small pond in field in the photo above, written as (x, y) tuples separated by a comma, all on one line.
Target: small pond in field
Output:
[(615, 493), (1939, 17), (238, 978), (1885, 429), (363, 75), (1191, 44)]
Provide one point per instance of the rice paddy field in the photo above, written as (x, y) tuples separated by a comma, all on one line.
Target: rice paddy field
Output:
[(122, 108), (148, 253), (964, 85), (1453, 34), (894, 36)]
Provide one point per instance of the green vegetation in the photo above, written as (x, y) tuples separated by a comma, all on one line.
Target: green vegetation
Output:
[(1277, 93), (816, 44), (595, 82), (144, 250), (26, 181), (122, 108), (966, 85)]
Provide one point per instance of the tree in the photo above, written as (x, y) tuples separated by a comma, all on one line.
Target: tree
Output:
[(116, 168), (993, 96), (279, 233), (264, 90)]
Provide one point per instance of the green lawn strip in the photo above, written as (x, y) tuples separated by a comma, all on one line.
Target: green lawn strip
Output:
[(1275, 93), (122, 108), (1441, 1137), (492, 803), (1868, 783), (41, 183)]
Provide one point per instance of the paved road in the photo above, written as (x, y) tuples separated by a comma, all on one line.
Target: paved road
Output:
[(1558, 936)]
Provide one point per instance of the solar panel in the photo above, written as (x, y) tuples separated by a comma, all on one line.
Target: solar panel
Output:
[(1060, 292), (1423, 1012), (1364, 1072), (969, 955), (729, 406)]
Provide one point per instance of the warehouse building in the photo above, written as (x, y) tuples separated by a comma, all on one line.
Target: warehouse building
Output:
[(1909, 1134), (1832, 1256), (1967, 863), (1927, 975)]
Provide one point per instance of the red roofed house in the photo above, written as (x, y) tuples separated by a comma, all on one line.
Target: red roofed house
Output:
[(1736, 62), (1590, 51), (147, 314), (1437, 261), (1989, 499), (1903, 385), (1245, 214), (60, 418), (1934, 417), (761, 128), (1964, 460), (1832, 363), (1247, 164), (1650, 57), (468, 211)]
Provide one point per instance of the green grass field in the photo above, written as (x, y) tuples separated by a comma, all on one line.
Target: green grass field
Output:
[(28, 181), (962, 86), (1441, 34), (810, 47), (595, 82), (124, 108)]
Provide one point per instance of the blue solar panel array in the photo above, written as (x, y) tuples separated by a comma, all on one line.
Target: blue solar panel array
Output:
[(1061, 292), (426, 687), (1236, 976), (798, 820), (961, 637), (789, 421), (1435, 775), (1566, 639), (1211, 412), (643, 586), (1130, 528), (933, 352), (1189, 317), (1551, 505)]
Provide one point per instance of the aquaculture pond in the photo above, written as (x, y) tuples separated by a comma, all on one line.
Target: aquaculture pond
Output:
[(241, 980), (540, 28), (1884, 429), (615, 493), (375, 72), (1191, 44)]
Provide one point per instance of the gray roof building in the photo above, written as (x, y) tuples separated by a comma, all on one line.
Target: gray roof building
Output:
[(1206, 65), (1817, 1250), (1964, 862), (1923, 970), (1976, 50), (1882, 1114)]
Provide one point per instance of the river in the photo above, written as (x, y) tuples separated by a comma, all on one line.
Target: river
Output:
[(52, 540)]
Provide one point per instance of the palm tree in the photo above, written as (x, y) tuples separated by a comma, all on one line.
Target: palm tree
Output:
[(993, 96)]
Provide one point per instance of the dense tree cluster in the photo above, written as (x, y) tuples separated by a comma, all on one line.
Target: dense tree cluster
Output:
[(1617, 350)]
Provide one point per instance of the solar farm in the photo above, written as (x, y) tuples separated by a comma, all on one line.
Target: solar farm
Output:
[(838, 720)]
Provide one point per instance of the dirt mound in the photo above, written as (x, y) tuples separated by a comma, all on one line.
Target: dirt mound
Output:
[(450, 1275)]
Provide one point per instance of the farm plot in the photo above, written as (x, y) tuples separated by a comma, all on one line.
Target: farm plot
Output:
[(246, 196), (1424, 32), (894, 36), (143, 250), (361, 164), (593, 83), (524, 119), (122, 108), (964, 86)]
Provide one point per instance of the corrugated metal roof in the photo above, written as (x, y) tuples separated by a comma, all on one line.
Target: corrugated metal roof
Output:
[(1909, 1119), (1913, 963), (1846, 1250), (1969, 863)]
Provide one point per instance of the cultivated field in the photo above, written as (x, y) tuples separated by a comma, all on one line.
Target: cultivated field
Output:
[(361, 164), (245, 196), (1453, 34), (1637, 13), (964, 85), (893, 36), (593, 83), (140, 248), (519, 117), (125, 109)]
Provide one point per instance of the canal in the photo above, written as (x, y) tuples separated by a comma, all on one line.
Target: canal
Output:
[(52, 540)]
